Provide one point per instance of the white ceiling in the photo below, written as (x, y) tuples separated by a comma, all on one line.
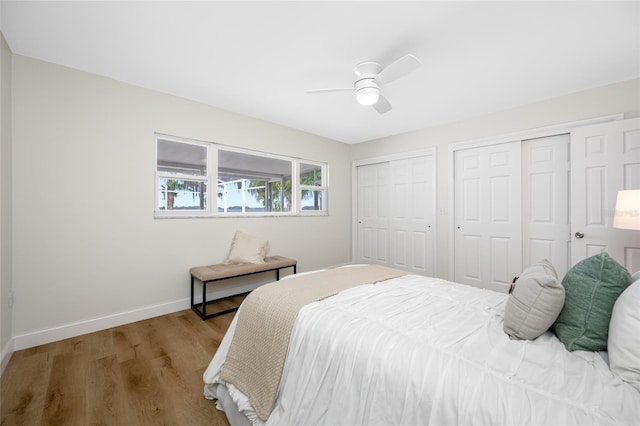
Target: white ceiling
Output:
[(259, 58)]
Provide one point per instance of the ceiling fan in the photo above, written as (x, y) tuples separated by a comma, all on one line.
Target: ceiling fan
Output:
[(370, 76)]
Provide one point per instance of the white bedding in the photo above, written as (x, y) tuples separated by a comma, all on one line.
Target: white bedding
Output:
[(417, 350)]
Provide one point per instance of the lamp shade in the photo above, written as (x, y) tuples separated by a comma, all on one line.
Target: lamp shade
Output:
[(627, 214)]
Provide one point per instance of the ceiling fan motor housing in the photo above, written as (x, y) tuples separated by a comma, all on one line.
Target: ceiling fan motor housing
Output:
[(367, 68), (366, 82)]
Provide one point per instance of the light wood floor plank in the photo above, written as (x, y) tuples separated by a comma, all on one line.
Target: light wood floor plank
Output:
[(177, 378), (197, 354), (200, 332), (106, 398), (65, 401), (22, 393), (148, 403), (126, 341)]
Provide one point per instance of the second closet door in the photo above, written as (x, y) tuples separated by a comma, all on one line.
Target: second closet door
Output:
[(545, 201), (412, 214), (488, 215)]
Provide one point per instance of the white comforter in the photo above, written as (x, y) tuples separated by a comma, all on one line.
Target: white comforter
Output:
[(418, 351)]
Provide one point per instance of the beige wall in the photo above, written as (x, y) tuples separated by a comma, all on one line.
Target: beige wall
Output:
[(622, 97), (86, 243), (5, 201)]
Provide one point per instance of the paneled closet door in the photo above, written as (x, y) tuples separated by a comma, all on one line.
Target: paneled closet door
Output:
[(396, 213), (546, 232), (488, 215), (373, 213), (412, 214), (605, 158)]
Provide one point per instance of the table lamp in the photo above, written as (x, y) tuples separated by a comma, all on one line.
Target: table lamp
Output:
[(627, 213)]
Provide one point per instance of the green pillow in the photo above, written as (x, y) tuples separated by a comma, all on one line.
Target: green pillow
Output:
[(591, 287)]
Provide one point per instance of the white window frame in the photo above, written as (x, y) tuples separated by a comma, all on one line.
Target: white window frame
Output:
[(322, 188), (168, 175), (211, 180)]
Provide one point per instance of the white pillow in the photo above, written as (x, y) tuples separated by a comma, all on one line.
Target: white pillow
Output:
[(624, 336), (247, 249), (534, 303)]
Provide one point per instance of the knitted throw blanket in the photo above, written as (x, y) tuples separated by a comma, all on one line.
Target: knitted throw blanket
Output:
[(259, 347)]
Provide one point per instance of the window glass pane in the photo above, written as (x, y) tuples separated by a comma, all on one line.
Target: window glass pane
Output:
[(253, 183), (310, 174), (279, 193), (312, 200), (241, 195), (178, 194), (182, 158)]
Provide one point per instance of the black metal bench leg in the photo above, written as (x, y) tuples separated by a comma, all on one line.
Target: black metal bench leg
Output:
[(192, 284), (204, 300)]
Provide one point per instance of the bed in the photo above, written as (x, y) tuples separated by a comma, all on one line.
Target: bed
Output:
[(415, 350)]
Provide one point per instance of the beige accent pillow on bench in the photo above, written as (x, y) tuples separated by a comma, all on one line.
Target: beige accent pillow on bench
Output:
[(247, 249)]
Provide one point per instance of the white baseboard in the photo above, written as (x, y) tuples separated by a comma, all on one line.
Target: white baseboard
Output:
[(5, 355), (66, 331)]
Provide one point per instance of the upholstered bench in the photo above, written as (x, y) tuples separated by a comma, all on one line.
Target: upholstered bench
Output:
[(222, 271)]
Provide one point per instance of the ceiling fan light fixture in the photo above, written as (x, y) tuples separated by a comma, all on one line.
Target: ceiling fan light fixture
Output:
[(370, 76), (368, 96)]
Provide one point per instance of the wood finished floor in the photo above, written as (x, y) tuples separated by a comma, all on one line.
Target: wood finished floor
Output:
[(144, 373)]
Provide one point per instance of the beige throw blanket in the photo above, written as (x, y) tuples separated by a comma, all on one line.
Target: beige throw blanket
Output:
[(256, 357)]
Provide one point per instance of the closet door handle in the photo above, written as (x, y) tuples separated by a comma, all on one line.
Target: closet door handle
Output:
[(579, 235)]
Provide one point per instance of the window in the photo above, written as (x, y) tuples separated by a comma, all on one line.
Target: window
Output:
[(253, 183), (182, 175), (312, 186), (247, 182)]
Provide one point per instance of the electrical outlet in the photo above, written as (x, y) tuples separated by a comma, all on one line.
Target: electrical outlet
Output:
[(11, 299)]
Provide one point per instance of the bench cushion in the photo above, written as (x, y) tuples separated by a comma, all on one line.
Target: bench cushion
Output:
[(220, 271)]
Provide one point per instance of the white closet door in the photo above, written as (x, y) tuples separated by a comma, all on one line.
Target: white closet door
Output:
[(545, 201), (373, 213), (605, 158), (488, 215), (412, 214)]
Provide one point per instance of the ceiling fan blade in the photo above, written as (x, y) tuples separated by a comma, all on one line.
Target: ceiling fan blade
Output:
[(382, 105), (340, 89), (399, 68)]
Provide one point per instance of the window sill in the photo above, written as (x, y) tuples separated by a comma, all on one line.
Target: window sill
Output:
[(194, 215)]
